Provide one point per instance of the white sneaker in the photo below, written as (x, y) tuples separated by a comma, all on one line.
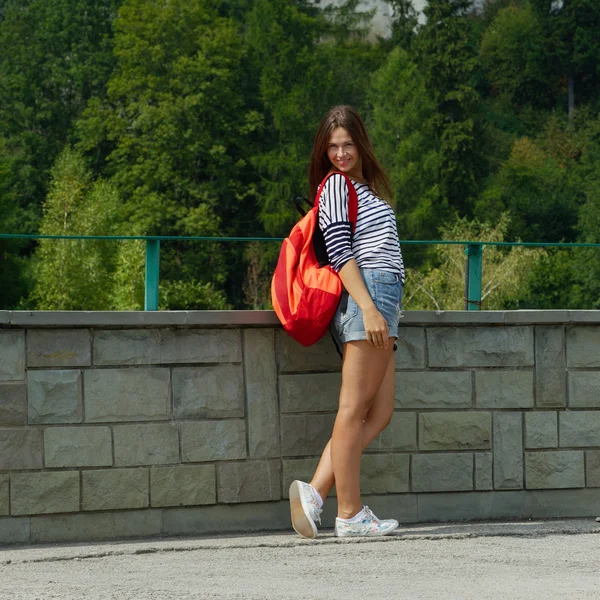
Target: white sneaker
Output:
[(369, 525), (304, 509)]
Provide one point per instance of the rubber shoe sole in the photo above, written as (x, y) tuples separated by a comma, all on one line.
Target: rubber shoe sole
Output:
[(301, 522)]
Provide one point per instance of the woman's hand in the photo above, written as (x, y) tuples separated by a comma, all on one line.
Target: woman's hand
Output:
[(376, 327)]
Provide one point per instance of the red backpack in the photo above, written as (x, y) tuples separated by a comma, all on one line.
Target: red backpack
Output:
[(305, 290)]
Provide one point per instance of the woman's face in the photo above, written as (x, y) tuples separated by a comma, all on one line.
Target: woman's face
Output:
[(343, 154)]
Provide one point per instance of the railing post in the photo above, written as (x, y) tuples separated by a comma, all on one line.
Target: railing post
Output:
[(473, 277), (152, 274)]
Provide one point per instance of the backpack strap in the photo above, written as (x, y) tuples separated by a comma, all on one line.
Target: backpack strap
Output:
[(352, 197)]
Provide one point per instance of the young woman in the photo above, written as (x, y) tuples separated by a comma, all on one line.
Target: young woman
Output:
[(365, 326)]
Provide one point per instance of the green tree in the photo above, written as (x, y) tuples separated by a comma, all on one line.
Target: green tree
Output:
[(537, 191), (571, 49), (54, 56), (75, 274), (400, 126), (305, 67), (505, 272), (447, 63), (511, 51), (177, 123), (404, 23)]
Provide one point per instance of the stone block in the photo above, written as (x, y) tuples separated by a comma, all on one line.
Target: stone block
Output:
[(553, 470), (146, 444), (583, 346), (4, 502), (320, 357), (12, 355), (504, 389), (260, 373), (203, 441), (508, 451), (166, 346), (254, 481), (483, 471), (77, 447), (433, 389), (411, 348), (126, 395), (399, 435), (480, 346), (127, 347), (298, 468), (112, 489), (541, 429), (54, 396), (309, 392), (550, 367), (584, 389), (20, 449), (227, 518), (592, 468), (14, 530), (13, 404), (59, 348), (183, 486), (305, 435), (201, 346), (215, 392), (579, 428), (442, 472), (95, 527), (385, 474), (466, 506), (43, 493), (536, 317), (455, 431), (564, 504)]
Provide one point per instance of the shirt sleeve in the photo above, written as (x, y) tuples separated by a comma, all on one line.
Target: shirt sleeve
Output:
[(334, 222)]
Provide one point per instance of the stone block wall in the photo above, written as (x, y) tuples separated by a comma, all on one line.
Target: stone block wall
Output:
[(130, 424)]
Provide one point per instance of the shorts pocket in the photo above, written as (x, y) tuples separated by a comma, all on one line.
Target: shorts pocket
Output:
[(386, 277), (387, 299), (347, 309)]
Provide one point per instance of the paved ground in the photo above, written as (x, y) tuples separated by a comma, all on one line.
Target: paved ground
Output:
[(528, 560)]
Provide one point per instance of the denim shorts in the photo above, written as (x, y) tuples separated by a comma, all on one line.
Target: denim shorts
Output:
[(385, 289)]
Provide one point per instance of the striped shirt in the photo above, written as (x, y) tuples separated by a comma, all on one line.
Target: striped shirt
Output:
[(374, 243)]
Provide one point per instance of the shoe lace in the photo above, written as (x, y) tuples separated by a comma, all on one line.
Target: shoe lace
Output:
[(318, 512), (315, 508), (369, 513)]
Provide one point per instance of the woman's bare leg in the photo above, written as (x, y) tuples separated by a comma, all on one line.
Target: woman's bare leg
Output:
[(376, 421), (363, 371)]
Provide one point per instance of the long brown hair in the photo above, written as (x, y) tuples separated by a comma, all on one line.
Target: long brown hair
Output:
[(320, 165)]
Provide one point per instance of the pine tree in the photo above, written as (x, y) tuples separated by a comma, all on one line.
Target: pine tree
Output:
[(447, 63), (571, 48)]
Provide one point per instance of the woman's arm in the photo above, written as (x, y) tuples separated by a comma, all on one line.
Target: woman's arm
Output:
[(376, 326)]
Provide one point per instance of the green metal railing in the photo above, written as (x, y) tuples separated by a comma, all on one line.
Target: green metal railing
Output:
[(473, 251)]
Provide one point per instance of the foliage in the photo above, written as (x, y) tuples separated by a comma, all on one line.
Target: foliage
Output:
[(177, 125), (140, 117), (404, 23), (505, 272), (447, 63), (511, 50), (75, 274), (402, 134)]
